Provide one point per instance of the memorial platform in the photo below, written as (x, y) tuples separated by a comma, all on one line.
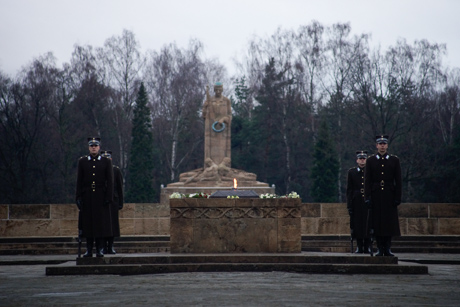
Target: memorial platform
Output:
[(296, 263)]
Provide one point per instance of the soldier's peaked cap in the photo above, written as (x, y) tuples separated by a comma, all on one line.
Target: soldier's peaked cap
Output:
[(361, 154), (94, 141), (106, 153), (381, 139)]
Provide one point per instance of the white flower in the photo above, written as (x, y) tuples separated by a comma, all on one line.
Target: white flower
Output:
[(197, 195), (267, 195), (175, 195), (293, 195)]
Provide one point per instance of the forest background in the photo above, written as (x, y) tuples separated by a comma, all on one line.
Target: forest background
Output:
[(303, 102)]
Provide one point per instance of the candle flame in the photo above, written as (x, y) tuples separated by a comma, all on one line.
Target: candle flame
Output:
[(234, 183)]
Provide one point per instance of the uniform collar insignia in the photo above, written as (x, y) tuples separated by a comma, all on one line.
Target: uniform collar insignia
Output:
[(378, 156), (387, 157), (89, 158), (99, 158), (358, 169)]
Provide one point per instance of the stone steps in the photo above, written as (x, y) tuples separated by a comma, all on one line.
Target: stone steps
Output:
[(298, 263), (155, 244), (74, 239), (403, 244), (168, 258), (69, 245), (74, 250)]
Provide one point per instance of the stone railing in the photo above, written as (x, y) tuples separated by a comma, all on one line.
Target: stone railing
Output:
[(414, 219), (153, 219)]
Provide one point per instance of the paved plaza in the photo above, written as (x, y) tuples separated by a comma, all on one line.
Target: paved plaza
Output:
[(24, 283)]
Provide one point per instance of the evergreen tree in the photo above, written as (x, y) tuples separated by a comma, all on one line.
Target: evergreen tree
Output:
[(268, 116), (141, 158), (449, 186), (325, 167), (242, 130), (241, 105)]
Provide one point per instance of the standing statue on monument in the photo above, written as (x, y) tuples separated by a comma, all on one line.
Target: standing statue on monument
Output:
[(217, 170), (217, 113)]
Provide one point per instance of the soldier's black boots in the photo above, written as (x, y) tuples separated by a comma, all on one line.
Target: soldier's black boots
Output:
[(110, 249), (99, 247), (387, 250), (364, 246), (89, 248), (380, 248), (359, 249), (384, 245), (367, 246)]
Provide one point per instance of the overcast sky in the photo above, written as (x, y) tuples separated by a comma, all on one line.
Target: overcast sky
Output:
[(30, 28)]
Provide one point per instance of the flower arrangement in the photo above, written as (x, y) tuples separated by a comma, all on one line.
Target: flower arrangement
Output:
[(290, 195), (205, 195), (268, 195), (176, 195), (192, 195), (198, 195), (293, 195)]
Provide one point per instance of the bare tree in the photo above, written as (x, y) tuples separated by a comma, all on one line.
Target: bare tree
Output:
[(120, 63), (25, 107), (81, 66), (176, 79), (311, 61), (343, 52), (448, 106)]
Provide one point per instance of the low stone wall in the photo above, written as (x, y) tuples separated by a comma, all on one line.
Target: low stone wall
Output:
[(414, 219), (62, 220), (153, 219)]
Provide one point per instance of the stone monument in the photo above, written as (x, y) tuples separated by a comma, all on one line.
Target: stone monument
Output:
[(217, 115), (217, 173), (244, 225)]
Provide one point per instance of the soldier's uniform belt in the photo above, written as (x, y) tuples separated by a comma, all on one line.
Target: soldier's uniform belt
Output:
[(383, 183), (94, 185)]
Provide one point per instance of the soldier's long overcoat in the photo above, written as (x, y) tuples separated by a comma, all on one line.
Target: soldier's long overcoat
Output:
[(117, 200), (383, 186), (95, 190), (355, 201)]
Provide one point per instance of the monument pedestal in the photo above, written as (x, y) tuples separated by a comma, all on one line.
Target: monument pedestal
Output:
[(217, 225)]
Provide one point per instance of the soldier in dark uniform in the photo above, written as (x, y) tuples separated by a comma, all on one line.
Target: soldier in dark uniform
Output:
[(94, 196), (383, 190), (116, 205), (355, 203)]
